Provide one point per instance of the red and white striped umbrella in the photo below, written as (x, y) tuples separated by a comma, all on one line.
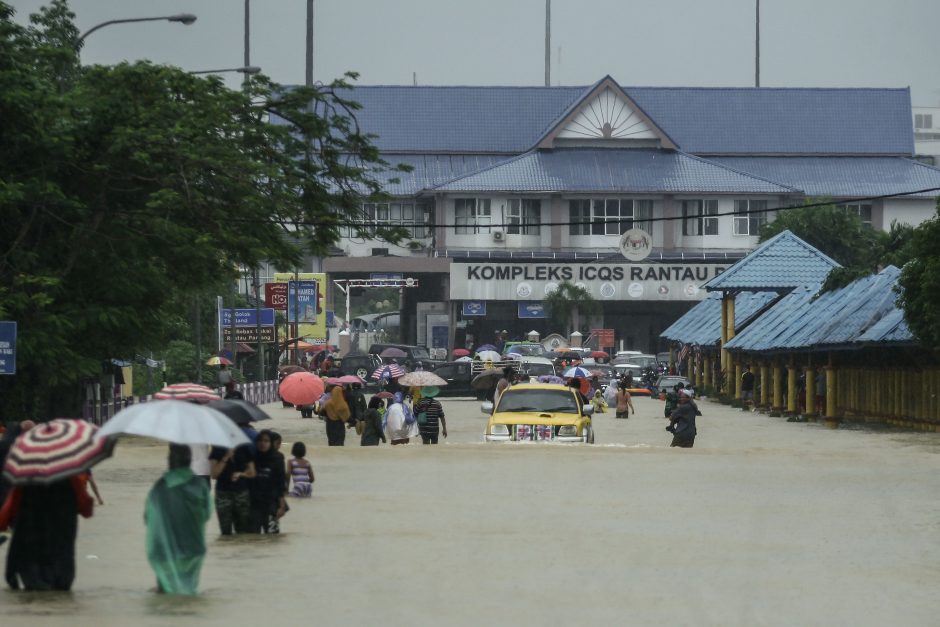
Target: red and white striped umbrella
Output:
[(388, 371), (192, 392), (55, 450)]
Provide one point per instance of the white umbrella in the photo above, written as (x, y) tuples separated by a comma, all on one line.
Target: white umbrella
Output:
[(176, 421), (489, 356), (421, 378)]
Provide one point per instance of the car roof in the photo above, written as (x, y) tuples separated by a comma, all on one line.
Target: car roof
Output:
[(538, 386), (532, 359)]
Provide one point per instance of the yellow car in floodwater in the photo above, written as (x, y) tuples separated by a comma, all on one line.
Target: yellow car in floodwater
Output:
[(539, 412)]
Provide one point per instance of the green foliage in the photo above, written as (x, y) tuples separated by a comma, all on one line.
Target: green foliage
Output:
[(130, 193), (860, 250), (566, 304), (920, 284)]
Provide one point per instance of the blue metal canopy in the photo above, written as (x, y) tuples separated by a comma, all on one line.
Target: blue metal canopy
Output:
[(701, 325)]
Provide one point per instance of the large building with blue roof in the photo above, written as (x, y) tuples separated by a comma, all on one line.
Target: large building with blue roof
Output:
[(515, 189)]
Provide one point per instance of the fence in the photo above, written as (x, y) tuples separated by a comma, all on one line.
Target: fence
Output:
[(98, 413)]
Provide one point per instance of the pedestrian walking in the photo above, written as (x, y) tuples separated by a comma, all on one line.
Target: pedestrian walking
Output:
[(224, 376), (372, 431), (682, 421), (624, 402), (430, 415), (747, 386), (400, 424), (300, 471), (232, 470), (177, 509), (268, 486), (337, 414)]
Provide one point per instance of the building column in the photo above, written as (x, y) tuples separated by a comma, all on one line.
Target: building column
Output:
[(777, 405), (669, 228), (793, 406), (556, 211), (738, 373), (764, 385), (706, 370), (810, 391)]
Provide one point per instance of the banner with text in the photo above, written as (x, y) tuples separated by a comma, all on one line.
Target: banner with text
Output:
[(315, 330), (617, 282)]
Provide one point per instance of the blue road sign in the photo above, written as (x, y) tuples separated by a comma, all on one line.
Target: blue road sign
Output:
[(7, 347), (474, 307), (531, 309), (248, 318)]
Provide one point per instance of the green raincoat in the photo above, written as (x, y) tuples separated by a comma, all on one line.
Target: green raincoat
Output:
[(178, 507)]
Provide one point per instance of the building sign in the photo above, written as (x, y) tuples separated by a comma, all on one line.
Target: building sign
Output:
[(474, 308), (605, 337), (248, 335), (531, 309), (616, 282), (311, 331), (636, 244), (247, 317), (302, 301), (7, 347), (275, 295)]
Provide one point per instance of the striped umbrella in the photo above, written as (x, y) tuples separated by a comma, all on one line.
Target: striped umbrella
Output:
[(192, 392), (577, 373), (55, 450), (388, 371)]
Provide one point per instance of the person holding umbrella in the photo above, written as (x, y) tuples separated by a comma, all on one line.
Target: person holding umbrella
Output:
[(47, 498), (430, 415)]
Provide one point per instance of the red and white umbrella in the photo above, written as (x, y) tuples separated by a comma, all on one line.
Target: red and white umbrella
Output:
[(192, 392), (55, 450), (388, 371), (348, 379), (301, 388)]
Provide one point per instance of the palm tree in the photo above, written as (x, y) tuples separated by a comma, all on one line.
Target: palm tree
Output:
[(566, 304)]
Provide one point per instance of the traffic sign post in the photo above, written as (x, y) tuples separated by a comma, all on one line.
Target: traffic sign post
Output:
[(7, 347)]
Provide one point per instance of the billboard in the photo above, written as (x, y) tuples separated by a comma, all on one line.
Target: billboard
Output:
[(315, 330)]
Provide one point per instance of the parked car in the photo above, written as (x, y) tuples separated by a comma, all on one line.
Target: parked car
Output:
[(535, 367), (458, 375), (413, 355), (539, 412), (360, 364), (526, 349), (665, 383)]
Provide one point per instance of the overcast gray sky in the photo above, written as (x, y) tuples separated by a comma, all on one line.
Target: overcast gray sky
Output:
[(804, 43)]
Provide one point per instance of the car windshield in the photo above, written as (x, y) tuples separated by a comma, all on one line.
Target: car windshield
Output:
[(560, 401), (537, 370), (527, 350), (420, 353)]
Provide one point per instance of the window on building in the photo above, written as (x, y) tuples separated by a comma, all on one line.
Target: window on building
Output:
[(524, 216), (415, 218), (700, 217), (608, 216), (749, 216), (472, 215), (923, 120), (862, 210)]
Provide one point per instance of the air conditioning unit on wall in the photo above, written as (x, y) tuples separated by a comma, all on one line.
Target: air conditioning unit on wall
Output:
[(499, 236)]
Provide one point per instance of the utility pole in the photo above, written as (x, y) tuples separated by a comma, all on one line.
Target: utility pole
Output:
[(757, 47), (548, 43), (309, 57), (247, 32)]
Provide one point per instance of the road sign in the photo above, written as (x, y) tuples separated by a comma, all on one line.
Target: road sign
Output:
[(247, 317), (248, 335), (531, 309), (474, 308), (605, 337), (275, 295), (7, 347)]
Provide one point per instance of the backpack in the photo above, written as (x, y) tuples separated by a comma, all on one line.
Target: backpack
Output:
[(422, 418)]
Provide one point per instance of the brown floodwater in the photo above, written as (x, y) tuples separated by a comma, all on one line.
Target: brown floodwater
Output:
[(764, 522)]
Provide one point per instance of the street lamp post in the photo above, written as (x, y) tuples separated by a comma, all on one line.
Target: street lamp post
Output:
[(183, 18), (248, 69)]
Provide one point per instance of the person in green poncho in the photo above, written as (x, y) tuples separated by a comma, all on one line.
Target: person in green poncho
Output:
[(176, 513)]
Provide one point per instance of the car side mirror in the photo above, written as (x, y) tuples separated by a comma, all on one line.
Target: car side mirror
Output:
[(486, 407), (588, 409)]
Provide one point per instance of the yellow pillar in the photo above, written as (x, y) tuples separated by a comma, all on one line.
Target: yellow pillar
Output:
[(778, 387), (738, 373), (764, 384), (831, 392), (724, 333), (792, 406), (706, 370)]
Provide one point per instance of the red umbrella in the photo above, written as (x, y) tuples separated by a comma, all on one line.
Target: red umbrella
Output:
[(600, 354), (334, 381), (301, 388), (383, 394), (192, 392), (55, 450), (348, 379), (460, 352), (389, 371)]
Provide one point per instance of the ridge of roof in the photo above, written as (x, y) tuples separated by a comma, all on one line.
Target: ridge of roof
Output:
[(741, 172), (591, 85), (482, 170)]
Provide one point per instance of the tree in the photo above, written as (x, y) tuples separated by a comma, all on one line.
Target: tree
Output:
[(920, 284), (128, 191), (860, 249), (566, 304)]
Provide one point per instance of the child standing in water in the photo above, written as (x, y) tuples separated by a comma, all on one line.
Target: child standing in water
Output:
[(300, 471)]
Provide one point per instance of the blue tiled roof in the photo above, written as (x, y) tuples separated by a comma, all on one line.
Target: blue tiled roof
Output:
[(431, 170), (701, 325), (782, 262), (614, 170), (859, 313), (841, 176), (700, 120)]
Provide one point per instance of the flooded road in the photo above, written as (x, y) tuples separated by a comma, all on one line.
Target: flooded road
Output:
[(764, 522)]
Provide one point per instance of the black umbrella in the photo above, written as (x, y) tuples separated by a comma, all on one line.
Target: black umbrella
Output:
[(241, 412), (486, 379)]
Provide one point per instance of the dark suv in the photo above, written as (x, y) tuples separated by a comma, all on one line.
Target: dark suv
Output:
[(360, 364), (413, 355)]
